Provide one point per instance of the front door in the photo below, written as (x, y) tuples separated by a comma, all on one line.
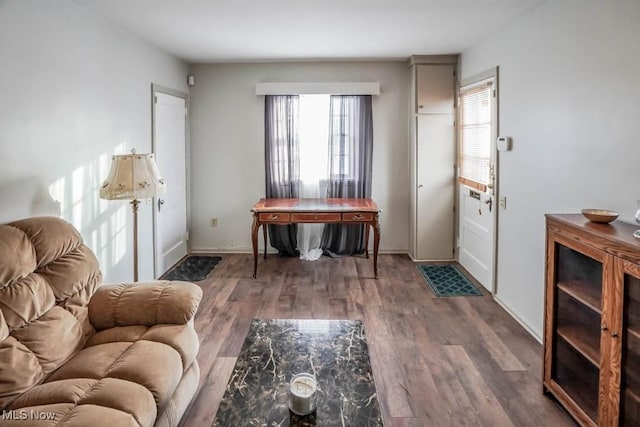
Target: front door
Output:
[(477, 224), (477, 179), (170, 218)]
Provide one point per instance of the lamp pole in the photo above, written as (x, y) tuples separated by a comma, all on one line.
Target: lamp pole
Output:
[(134, 206)]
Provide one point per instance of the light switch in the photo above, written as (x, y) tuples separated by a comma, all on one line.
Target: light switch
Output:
[(503, 202)]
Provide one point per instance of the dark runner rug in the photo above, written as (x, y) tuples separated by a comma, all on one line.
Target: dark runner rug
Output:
[(448, 281), (193, 268)]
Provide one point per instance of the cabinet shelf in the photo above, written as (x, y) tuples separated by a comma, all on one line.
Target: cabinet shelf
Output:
[(630, 408), (583, 292), (582, 343), (633, 396)]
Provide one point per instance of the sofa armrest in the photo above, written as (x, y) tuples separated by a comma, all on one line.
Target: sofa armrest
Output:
[(150, 303)]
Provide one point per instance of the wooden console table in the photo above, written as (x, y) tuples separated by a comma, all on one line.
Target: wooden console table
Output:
[(297, 211)]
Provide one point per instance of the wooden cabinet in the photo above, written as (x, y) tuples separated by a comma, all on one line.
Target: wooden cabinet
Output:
[(434, 88), (432, 158), (592, 320)]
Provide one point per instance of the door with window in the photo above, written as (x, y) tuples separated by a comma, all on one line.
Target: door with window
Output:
[(477, 125)]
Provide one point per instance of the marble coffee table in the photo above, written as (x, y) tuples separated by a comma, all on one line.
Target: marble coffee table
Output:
[(335, 351)]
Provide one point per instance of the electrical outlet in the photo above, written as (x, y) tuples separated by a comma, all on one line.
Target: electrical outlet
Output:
[(214, 221)]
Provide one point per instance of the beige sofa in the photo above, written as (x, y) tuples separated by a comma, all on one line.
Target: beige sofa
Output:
[(80, 354)]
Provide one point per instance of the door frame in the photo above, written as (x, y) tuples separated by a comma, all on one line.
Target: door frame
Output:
[(155, 89), (490, 73)]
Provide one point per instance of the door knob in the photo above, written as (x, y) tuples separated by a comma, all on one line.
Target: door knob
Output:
[(160, 203)]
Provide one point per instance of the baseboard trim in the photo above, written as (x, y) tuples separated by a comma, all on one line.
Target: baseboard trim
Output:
[(430, 260), (273, 251), (518, 319)]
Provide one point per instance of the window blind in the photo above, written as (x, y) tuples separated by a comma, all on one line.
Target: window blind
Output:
[(474, 154)]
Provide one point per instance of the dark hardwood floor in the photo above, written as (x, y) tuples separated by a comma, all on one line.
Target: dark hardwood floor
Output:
[(436, 361)]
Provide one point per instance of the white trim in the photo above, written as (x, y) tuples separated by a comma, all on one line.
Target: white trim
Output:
[(325, 88), (442, 260), (273, 251), (490, 73)]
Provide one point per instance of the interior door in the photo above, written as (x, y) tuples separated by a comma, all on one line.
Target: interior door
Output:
[(169, 125), (436, 187), (478, 205)]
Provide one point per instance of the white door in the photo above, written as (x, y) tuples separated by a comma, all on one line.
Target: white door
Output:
[(477, 188), (169, 123), (436, 187), (477, 223)]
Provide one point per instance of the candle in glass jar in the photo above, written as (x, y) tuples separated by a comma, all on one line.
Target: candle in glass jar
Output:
[(303, 394)]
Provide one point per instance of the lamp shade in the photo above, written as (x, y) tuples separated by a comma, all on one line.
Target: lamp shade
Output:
[(132, 176)]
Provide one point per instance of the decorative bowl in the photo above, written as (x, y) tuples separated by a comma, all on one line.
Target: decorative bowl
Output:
[(600, 215)]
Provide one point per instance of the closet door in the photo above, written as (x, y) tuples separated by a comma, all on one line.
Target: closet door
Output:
[(435, 146), (436, 178)]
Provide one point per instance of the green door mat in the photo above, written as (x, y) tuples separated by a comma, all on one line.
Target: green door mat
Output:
[(447, 281)]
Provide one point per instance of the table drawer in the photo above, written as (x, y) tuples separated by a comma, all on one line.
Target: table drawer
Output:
[(275, 217), (354, 216), (315, 217)]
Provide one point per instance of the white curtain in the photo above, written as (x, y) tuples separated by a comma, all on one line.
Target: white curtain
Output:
[(314, 140)]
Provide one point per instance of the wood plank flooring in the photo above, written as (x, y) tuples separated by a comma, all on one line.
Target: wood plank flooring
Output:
[(459, 361)]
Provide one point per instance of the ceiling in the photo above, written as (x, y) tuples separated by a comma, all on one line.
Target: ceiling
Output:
[(200, 31)]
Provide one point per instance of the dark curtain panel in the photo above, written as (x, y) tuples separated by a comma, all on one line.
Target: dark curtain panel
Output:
[(350, 166), (282, 162)]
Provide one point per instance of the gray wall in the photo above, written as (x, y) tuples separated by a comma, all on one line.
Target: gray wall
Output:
[(227, 145), (75, 90), (569, 97)]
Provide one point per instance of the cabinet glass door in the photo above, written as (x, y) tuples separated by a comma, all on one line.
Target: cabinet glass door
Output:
[(630, 375), (576, 350)]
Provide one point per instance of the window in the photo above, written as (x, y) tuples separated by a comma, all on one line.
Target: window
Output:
[(285, 132), (339, 145), (314, 137), (476, 135)]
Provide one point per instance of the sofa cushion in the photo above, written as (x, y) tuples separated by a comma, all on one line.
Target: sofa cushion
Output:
[(4, 328), (182, 338), (17, 254), (47, 276), (51, 237), (25, 300), (155, 366), (54, 337), (20, 370), (65, 391), (150, 303)]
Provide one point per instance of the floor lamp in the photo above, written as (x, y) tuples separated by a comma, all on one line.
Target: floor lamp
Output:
[(133, 177)]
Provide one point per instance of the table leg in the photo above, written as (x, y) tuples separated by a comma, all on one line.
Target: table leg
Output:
[(376, 244), (254, 242), (366, 240), (264, 233)]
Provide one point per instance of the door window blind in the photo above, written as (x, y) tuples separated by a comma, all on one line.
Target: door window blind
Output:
[(474, 154)]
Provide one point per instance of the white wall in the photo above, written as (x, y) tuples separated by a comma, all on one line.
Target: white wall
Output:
[(75, 89), (227, 146), (569, 97)]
